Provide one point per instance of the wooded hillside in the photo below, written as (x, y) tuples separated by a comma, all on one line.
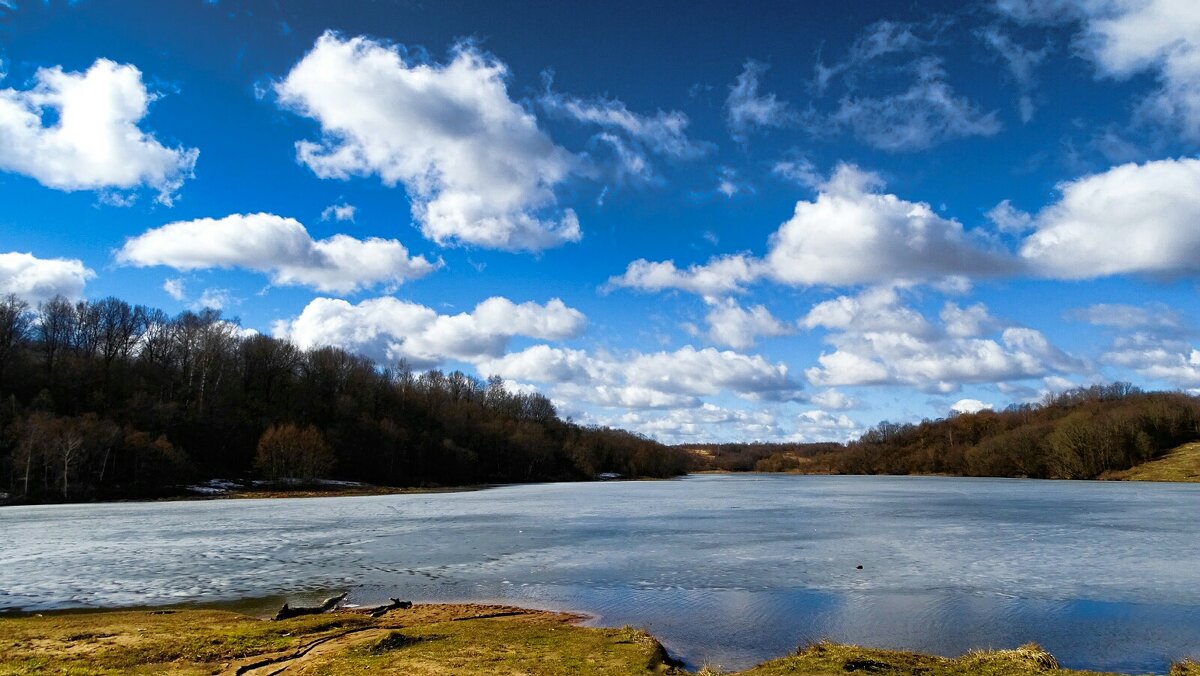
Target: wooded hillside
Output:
[(1078, 434), (104, 399)]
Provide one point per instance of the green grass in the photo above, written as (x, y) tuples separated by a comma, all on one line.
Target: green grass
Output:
[(428, 640), (1181, 464)]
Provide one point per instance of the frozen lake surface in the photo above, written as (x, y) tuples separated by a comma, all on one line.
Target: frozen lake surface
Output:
[(728, 570)]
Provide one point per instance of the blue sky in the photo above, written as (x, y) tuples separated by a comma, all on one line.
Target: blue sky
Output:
[(691, 219)]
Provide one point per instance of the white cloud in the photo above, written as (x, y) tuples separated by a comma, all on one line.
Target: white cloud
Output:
[(832, 399), (728, 183), (389, 329), (1139, 219), (216, 299), (873, 309), (339, 212), (735, 326), (664, 133), (279, 247), (1160, 36), (1173, 361), (704, 422), (801, 171), (746, 110), (851, 234), (1009, 219), (854, 234), (877, 40), (175, 288), (927, 113), (968, 322), (812, 426), (1153, 340), (1022, 64), (720, 275), (38, 279), (96, 143), (1125, 38), (646, 380), (1156, 317), (879, 341), (970, 406), (476, 167)]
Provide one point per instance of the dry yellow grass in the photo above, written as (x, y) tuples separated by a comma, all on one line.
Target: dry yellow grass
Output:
[(1181, 464), (427, 640)]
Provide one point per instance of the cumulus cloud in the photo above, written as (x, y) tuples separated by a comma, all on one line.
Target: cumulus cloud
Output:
[(1153, 340), (851, 234), (278, 247), (38, 279), (720, 275), (855, 234), (646, 380), (970, 406), (818, 425), (389, 329), (176, 288), (705, 422), (738, 327), (339, 212), (1152, 356), (746, 110), (833, 399), (801, 171), (877, 340), (1131, 219), (1010, 219), (1125, 38), (95, 142), (476, 167)]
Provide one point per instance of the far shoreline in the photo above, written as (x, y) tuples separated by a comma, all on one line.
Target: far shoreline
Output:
[(343, 489)]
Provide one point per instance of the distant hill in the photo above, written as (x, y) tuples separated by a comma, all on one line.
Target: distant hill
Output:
[(1087, 433)]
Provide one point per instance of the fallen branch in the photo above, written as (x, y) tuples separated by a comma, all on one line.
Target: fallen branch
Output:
[(327, 605), (396, 604)]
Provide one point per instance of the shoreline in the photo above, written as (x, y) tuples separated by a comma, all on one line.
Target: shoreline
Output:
[(353, 489), (460, 638)]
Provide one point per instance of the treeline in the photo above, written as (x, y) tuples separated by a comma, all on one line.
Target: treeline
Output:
[(102, 399), (1079, 434), (759, 456)]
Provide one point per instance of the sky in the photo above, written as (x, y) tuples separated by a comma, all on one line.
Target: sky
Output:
[(701, 221)]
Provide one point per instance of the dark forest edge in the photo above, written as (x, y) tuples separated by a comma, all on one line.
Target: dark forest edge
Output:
[(1097, 432), (105, 400)]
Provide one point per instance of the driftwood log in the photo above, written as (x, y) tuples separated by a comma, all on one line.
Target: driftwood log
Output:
[(396, 604), (327, 605)]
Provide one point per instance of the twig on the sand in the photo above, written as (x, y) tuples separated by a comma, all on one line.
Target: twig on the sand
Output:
[(327, 605)]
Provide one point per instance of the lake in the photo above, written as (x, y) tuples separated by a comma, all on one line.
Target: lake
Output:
[(725, 569)]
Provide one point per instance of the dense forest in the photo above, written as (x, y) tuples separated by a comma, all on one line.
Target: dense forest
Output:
[(102, 399), (1078, 434)]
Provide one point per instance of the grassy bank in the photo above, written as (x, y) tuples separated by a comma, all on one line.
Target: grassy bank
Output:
[(1181, 464), (470, 640)]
